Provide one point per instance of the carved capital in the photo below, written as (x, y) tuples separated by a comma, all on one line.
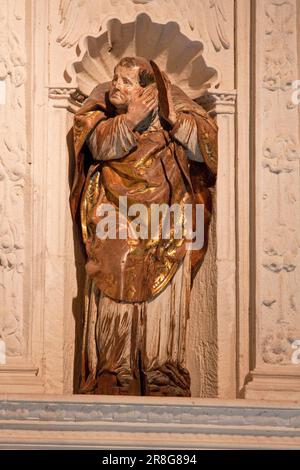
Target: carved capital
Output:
[(218, 101)]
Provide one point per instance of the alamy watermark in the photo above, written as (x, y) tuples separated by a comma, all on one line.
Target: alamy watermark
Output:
[(157, 221), (296, 93), (296, 354)]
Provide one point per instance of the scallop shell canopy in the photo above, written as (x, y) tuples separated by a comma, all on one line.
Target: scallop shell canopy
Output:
[(173, 52)]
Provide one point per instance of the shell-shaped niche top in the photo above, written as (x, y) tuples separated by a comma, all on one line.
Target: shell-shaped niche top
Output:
[(175, 53)]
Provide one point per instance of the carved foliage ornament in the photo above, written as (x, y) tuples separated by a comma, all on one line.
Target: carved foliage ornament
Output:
[(279, 58), (281, 250), (279, 224), (174, 52)]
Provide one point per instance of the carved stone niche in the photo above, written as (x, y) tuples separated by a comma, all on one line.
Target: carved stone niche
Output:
[(183, 60)]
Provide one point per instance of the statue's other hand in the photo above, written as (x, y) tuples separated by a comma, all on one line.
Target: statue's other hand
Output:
[(143, 102)]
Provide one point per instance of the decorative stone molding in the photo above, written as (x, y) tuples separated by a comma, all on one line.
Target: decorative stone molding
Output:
[(44, 325), (181, 56), (106, 422)]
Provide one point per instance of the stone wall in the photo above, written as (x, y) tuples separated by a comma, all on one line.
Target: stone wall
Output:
[(245, 303)]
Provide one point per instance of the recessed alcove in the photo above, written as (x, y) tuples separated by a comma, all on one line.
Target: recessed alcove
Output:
[(183, 60)]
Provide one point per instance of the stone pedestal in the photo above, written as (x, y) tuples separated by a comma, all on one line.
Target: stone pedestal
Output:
[(275, 215), (69, 422)]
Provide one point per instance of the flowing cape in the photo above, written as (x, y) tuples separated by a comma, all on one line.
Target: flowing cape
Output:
[(199, 177)]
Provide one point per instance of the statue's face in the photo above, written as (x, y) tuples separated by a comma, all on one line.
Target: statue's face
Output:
[(125, 82)]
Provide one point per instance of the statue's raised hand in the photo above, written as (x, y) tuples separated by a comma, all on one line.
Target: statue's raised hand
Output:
[(141, 105)]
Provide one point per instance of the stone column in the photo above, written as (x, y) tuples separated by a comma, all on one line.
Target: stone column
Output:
[(226, 246), (275, 211), (213, 302)]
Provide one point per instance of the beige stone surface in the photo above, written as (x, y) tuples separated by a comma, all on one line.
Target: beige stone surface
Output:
[(275, 277)]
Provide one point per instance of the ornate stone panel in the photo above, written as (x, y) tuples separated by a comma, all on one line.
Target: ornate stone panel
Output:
[(52, 422), (276, 276)]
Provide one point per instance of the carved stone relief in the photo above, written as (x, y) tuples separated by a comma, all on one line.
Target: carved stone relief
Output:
[(177, 38), (210, 32), (281, 154), (279, 59), (279, 221), (175, 53), (277, 346), (80, 18)]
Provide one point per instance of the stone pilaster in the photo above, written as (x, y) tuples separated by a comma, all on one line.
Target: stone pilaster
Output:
[(275, 275), (19, 329)]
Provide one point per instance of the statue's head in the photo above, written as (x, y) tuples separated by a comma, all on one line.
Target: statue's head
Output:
[(130, 75)]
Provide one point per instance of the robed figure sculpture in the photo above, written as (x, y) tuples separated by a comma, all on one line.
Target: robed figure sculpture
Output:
[(139, 140)]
